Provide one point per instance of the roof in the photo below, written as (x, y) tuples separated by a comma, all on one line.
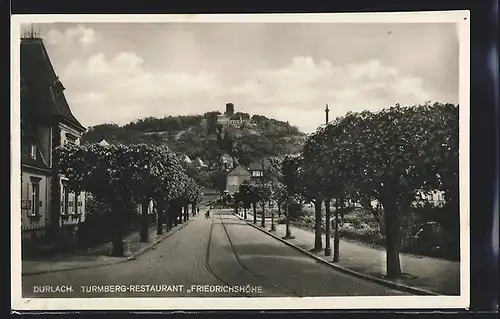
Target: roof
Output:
[(198, 161), (26, 159), (239, 171), (103, 143), (43, 86), (255, 166)]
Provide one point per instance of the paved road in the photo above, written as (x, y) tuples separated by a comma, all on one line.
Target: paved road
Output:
[(221, 251)]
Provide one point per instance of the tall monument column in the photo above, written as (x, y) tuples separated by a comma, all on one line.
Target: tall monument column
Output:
[(326, 113)]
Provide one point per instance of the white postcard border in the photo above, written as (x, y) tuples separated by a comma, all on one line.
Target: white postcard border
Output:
[(461, 18)]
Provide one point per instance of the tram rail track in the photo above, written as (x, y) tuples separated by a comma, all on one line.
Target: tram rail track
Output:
[(207, 262), (264, 279)]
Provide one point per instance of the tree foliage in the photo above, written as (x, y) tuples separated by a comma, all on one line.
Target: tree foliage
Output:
[(201, 136), (389, 156), (119, 173)]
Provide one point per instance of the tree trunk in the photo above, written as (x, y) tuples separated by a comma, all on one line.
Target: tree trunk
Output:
[(317, 225), (193, 207), (254, 206), (186, 212), (169, 218), (328, 249), (279, 210), (336, 239), (179, 214), (288, 233), (159, 221), (175, 215), (144, 222), (263, 219), (118, 247), (392, 238), (273, 226), (245, 213)]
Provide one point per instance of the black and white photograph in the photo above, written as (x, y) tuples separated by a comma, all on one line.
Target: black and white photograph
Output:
[(288, 161)]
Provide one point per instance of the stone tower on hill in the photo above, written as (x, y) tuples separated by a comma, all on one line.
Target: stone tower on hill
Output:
[(229, 110)]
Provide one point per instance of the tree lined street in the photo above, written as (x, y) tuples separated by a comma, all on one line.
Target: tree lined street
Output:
[(387, 157), (222, 250)]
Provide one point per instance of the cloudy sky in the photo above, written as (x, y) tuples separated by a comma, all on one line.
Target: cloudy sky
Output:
[(117, 73)]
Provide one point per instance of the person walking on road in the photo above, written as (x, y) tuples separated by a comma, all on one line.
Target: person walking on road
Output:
[(207, 214)]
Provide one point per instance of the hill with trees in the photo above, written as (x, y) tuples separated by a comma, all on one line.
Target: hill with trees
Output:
[(200, 136)]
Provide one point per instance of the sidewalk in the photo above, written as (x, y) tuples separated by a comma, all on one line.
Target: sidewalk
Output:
[(99, 255), (432, 274)]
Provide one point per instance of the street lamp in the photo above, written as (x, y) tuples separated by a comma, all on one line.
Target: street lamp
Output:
[(328, 249)]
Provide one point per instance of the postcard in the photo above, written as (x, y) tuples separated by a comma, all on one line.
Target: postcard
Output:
[(234, 161)]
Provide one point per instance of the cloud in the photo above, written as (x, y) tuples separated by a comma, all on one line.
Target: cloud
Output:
[(305, 86), (124, 87), (78, 34), (120, 89)]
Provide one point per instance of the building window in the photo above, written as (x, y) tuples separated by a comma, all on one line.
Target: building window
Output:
[(35, 196), (71, 139), (71, 203), (77, 203), (65, 201), (257, 173)]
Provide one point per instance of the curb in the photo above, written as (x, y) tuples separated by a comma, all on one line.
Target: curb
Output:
[(387, 283), (124, 260)]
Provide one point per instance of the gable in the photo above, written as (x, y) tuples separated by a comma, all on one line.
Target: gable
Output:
[(255, 166), (239, 171)]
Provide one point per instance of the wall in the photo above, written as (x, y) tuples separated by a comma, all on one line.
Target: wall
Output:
[(435, 198), (65, 129), (150, 208), (72, 219), (45, 139), (234, 182)]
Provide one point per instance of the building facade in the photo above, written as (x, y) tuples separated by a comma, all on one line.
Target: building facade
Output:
[(49, 210), (236, 178), (256, 170), (226, 162), (228, 118)]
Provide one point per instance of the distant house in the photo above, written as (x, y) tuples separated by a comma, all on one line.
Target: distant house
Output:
[(186, 159), (48, 208), (198, 163), (236, 178), (103, 143), (228, 118), (256, 170), (223, 119), (226, 162), (435, 197)]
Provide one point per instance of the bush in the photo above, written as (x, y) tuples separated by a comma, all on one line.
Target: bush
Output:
[(295, 210), (420, 232), (98, 223)]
